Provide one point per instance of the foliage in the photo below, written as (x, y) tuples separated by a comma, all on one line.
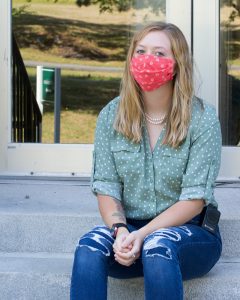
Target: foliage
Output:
[(124, 5), (155, 5), (235, 4), (16, 12)]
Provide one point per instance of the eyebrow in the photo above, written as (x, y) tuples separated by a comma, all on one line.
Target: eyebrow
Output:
[(153, 47)]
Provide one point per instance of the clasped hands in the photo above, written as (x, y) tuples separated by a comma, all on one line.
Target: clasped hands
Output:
[(127, 247)]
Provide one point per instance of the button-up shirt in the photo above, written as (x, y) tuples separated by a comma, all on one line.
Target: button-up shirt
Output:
[(148, 182)]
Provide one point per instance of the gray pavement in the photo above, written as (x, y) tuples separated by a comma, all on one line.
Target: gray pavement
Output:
[(78, 67), (27, 278), (75, 197), (51, 197)]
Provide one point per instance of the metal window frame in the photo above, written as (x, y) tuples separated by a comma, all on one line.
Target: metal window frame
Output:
[(206, 55)]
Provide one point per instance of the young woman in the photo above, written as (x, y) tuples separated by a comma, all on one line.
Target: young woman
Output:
[(156, 157)]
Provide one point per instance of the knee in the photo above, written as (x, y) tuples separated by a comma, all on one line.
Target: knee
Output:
[(162, 244), (97, 240)]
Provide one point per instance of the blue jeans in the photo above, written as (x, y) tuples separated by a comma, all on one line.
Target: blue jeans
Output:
[(169, 256)]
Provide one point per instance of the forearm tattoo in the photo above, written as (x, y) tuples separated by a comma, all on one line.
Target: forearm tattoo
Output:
[(120, 212)]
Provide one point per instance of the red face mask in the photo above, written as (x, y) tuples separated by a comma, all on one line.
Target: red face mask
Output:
[(151, 71)]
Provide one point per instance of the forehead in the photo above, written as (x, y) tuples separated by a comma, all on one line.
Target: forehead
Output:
[(156, 39)]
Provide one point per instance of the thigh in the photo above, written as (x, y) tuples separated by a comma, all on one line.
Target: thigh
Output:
[(98, 240), (198, 254), (192, 247)]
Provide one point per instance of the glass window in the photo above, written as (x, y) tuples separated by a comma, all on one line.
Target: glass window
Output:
[(229, 105), (90, 48)]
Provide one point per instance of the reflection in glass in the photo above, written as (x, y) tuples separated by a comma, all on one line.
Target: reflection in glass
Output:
[(90, 48), (229, 107)]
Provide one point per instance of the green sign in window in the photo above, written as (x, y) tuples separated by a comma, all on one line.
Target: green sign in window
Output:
[(48, 84)]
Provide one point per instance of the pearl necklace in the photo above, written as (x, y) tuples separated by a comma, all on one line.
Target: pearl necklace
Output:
[(155, 121)]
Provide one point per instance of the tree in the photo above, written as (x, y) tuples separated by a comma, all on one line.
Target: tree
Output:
[(124, 5), (235, 4)]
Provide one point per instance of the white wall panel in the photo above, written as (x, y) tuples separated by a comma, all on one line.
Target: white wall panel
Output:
[(179, 13), (206, 49), (5, 85)]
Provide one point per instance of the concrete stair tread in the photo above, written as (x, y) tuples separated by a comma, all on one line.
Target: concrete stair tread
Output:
[(47, 276), (35, 262), (62, 262), (73, 198), (51, 198)]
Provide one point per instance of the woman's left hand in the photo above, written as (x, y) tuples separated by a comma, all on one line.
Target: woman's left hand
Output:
[(136, 240)]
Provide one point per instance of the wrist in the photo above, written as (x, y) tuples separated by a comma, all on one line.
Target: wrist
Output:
[(116, 227), (121, 230), (142, 233)]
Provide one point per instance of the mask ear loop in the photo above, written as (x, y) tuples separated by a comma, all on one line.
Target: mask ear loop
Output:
[(174, 70)]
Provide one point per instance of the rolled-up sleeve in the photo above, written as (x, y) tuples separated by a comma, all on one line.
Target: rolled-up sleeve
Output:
[(204, 160), (104, 177)]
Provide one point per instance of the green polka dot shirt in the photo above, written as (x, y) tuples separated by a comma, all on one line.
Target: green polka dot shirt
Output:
[(148, 182)]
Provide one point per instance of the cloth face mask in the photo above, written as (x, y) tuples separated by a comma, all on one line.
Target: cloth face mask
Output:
[(151, 71)]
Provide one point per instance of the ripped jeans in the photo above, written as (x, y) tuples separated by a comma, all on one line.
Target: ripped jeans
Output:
[(169, 256)]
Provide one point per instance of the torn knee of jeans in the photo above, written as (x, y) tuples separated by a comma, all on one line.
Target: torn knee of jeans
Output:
[(185, 230), (158, 250), (99, 239), (163, 233), (156, 243)]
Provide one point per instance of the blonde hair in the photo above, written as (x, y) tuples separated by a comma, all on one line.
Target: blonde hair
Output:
[(130, 111)]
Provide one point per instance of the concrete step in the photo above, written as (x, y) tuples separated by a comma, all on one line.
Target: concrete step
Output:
[(50, 233), (38, 276), (43, 233), (48, 216)]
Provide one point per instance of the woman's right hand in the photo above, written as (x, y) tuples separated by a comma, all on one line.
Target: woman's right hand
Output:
[(120, 238)]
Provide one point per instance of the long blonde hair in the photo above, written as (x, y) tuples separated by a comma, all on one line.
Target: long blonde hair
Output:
[(130, 111)]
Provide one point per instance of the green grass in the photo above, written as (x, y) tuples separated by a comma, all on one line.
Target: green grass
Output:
[(76, 127), (44, 56), (235, 62), (71, 39)]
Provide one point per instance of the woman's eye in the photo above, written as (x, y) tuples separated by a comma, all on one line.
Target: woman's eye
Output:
[(140, 51), (158, 53)]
